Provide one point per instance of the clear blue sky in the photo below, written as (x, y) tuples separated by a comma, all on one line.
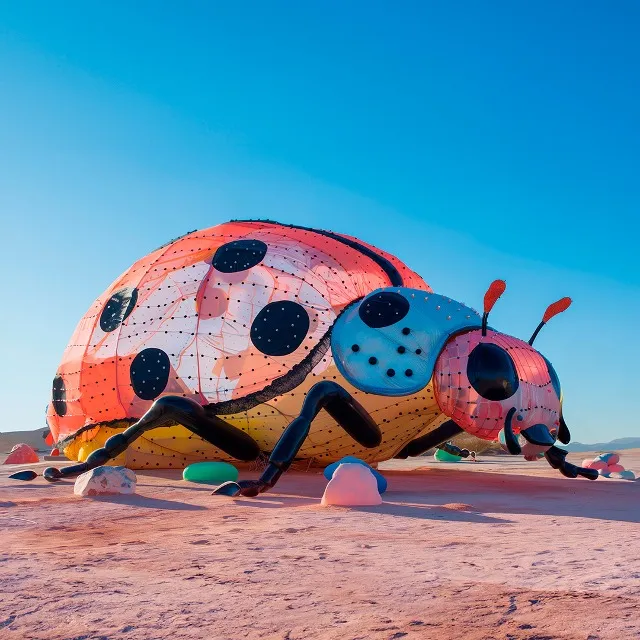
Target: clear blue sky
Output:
[(474, 140)]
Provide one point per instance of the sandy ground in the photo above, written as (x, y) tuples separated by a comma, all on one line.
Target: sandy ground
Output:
[(456, 551)]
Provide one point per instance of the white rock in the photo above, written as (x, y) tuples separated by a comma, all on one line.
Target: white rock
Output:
[(352, 485), (105, 481)]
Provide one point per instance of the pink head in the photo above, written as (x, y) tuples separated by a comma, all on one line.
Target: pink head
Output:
[(495, 386)]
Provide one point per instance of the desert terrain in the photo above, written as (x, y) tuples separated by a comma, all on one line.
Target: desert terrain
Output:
[(499, 549)]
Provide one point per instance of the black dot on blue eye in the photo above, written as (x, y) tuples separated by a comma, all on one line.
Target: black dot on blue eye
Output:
[(391, 373), (408, 373), (280, 328), (118, 309), (418, 351), (401, 349), (355, 348), (239, 255), (383, 309), (406, 331), (373, 360), (59, 396), (149, 373)]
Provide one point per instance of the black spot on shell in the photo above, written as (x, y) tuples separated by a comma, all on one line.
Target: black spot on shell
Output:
[(59, 396), (149, 373), (239, 255), (280, 328), (383, 309), (118, 309)]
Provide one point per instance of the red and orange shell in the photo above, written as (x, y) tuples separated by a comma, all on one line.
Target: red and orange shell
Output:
[(203, 316)]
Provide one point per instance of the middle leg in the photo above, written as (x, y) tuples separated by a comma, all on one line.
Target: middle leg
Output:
[(340, 405)]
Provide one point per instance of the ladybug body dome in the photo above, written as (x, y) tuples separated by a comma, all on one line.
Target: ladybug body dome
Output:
[(237, 317)]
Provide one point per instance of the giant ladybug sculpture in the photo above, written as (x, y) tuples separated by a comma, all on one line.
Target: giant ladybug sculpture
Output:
[(255, 339)]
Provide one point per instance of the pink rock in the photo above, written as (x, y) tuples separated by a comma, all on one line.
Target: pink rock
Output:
[(615, 468), (22, 454), (599, 465), (352, 485)]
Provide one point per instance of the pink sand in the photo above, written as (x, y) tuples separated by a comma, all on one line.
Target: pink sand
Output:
[(457, 551)]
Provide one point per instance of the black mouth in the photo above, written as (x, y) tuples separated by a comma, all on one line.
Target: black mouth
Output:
[(538, 434)]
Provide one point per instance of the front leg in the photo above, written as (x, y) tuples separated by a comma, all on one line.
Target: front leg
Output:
[(556, 457), (340, 405)]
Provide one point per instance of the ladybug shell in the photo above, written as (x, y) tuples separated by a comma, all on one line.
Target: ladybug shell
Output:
[(230, 316)]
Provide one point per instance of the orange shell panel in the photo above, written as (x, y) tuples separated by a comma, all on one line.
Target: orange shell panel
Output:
[(176, 324)]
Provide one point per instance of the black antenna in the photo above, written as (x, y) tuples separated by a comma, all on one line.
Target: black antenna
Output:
[(495, 290), (552, 310)]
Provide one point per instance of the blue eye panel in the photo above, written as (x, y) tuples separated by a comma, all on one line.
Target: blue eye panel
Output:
[(388, 343)]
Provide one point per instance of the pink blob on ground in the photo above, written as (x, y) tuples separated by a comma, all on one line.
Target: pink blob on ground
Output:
[(599, 465), (615, 468), (22, 454), (587, 464), (352, 485)]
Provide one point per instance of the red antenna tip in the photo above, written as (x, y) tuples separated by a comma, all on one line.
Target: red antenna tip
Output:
[(495, 290), (555, 308)]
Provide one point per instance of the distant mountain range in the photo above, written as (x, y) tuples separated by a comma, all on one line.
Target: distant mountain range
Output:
[(614, 445), (33, 438)]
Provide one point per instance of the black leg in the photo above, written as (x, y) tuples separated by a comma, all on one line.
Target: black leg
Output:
[(556, 458), (167, 410), (340, 405), (563, 432), (441, 434), (451, 448)]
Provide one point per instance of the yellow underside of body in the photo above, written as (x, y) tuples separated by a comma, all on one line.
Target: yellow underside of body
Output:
[(401, 419)]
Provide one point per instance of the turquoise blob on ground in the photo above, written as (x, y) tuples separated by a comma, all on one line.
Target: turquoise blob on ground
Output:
[(380, 479), (210, 472), (444, 456), (624, 475)]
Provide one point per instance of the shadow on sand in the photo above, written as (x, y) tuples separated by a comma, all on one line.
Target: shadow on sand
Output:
[(400, 510), (429, 512), (149, 503), (507, 494)]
